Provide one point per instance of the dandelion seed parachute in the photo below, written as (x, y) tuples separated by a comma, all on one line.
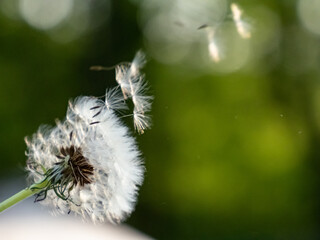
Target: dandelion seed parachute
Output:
[(243, 27), (133, 85), (126, 74), (214, 51), (212, 46), (114, 99), (91, 161)]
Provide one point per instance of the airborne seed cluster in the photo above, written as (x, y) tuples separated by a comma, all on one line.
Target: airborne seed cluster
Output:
[(90, 160)]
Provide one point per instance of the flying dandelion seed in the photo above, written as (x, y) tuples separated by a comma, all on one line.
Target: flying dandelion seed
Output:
[(89, 164), (133, 85), (243, 27), (212, 46), (128, 73), (114, 99)]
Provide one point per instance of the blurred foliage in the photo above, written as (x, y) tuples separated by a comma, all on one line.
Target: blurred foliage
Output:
[(230, 156)]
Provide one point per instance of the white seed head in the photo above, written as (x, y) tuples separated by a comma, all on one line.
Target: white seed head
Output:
[(108, 148), (90, 161)]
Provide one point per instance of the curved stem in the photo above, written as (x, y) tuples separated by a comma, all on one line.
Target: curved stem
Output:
[(23, 194)]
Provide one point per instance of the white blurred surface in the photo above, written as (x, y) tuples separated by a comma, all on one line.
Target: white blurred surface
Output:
[(29, 220)]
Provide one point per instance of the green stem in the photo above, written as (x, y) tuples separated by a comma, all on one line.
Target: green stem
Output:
[(25, 193)]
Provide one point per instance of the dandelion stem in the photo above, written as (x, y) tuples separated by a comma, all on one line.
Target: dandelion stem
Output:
[(23, 194)]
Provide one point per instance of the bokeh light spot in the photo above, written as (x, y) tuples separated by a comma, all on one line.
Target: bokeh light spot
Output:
[(45, 14), (309, 13)]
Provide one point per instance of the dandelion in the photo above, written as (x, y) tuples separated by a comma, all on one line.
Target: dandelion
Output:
[(242, 26), (88, 164)]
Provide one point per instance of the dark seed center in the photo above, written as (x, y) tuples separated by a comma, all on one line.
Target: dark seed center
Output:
[(78, 166)]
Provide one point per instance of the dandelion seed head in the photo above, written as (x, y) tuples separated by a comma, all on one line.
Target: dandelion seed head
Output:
[(103, 156), (89, 160)]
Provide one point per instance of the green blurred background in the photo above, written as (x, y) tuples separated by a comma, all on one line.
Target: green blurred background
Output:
[(234, 148)]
